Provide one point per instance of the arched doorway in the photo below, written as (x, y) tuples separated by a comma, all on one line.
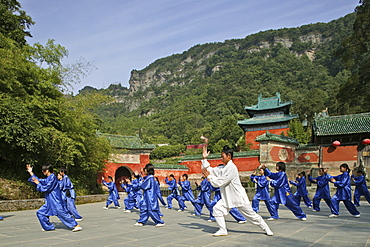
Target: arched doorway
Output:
[(122, 173)]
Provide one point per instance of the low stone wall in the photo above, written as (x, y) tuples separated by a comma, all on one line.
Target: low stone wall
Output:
[(17, 205)]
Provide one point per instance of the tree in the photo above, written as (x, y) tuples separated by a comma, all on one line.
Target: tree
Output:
[(297, 131), (38, 124), (355, 53), (14, 22)]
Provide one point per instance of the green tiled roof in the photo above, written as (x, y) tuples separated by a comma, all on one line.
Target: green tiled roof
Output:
[(268, 103), (267, 119), (218, 155), (342, 125), (308, 146), (272, 137), (127, 142), (171, 166)]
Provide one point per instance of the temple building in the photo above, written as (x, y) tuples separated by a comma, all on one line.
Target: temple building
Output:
[(268, 114), (129, 155), (336, 140), (343, 139)]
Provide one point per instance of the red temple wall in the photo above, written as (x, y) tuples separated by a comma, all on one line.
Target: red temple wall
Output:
[(333, 157), (276, 154), (251, 136)]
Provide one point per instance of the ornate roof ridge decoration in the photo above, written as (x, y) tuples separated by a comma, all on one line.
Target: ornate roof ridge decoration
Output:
[(170, 166), (126, 142), (267, 119), (217, 155), (308, 146), (342, 125), (268, 103), (268, 113), (279, 138)]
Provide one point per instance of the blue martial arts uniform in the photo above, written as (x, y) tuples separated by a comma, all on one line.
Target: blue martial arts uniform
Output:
[(187, 192), (130, 200), (301, 191), (172, 186), (282, 195), (159, 194), (137, 191), (113, 193), (69, 195), (234, 212), (343, 184), (203, 197), (322, 191), (53, 203), (262, 193), (360, 189), (149, 206)]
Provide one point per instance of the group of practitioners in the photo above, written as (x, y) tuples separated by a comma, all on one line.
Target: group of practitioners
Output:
[(59, 198), (143, 193), (230, 196), (283, 195)]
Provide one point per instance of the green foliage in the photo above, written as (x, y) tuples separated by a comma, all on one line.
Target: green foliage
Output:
[(167, 151), (354, 95), (217, 147), (38, 124), (14, 22), (206, 94), (297, 131)]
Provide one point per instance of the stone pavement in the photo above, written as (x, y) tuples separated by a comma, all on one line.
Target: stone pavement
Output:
[(113, 227)]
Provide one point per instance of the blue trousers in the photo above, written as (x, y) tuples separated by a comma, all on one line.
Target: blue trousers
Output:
[(256, 204), (290, 204), (356, 197), (234, 212), (349, 205), (129, 202), (306, 200), (109, 201), (71, 208), (198, 206), (64, 217), (316, 202), (179, 199), (155, 215)]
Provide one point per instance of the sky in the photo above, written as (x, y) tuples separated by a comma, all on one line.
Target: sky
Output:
[(118, 36)]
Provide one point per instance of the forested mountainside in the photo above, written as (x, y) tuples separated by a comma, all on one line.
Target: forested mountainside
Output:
[(204, 90)]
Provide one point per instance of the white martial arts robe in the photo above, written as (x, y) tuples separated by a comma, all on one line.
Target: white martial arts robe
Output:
[(233, 195)]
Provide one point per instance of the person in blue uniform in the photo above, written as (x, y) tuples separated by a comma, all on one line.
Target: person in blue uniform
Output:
[(322, 189), (113, 193), (343, 193), (53, 200), (300, 183), (282, 194), (262, 191), (204, 197), (187, 192), (361, 188), (149, 206), (160, 197), (130, 200), (69, 194), (138, 192), (175, 194)]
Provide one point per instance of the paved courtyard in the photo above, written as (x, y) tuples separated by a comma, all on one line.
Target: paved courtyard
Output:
[(113, 227)]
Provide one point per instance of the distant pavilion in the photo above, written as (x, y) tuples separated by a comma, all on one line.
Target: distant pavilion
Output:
[(268, 114)]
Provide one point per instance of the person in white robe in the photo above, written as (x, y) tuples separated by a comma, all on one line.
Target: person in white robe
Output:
[(233, 194)]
